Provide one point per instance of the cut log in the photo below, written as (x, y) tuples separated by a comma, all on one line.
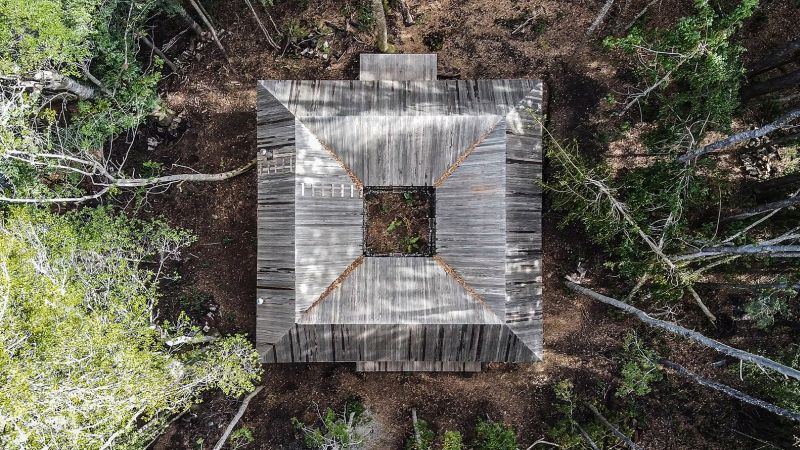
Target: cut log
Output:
[(54, 81), (681, 331), (379, 15)]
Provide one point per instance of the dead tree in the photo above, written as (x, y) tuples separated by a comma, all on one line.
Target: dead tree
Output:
[(601, 17), (776, 58), (379, 15), (589, 441), (794, 199), (625, 439), (771, 247), (731, 392), (681, 331), (780, 123), (101, 176), (789, 80)]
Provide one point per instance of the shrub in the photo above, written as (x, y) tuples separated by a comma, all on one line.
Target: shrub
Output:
[(495, 436)]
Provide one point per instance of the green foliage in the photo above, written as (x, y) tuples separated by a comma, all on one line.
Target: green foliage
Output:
[(409, 198), (426, 437), (393, 225), (452, 440), (769, 303), (339, 431), (82, 358), (491, 435), (410, 244), (640, 369), (70, 38), (241, 437), (781, 391), (692, 69)]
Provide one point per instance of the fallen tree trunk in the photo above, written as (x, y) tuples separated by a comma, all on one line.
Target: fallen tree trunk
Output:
[(729, 141), (629, 443), (776, 58), (261, 25), (136, 182), (379, 16), (794, 199), (681, 331), (731, 392), (161, 54), (601, 17), (791, 79), (236, 418)]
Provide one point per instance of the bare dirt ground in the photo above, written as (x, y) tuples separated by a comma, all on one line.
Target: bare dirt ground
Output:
[(473, 39)]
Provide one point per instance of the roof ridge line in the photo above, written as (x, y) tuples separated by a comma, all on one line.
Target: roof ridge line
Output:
[(335, 284), (466, 153)]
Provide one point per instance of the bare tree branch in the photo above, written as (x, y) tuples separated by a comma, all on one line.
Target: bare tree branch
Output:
[(236, 418), (729, 141)]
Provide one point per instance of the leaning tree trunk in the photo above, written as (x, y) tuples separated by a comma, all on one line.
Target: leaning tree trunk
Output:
[(776, 58), (791, 79), (188, 20), (379, 16)]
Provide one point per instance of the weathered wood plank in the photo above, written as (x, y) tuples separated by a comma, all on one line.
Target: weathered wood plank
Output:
[(399, 290), (317, 98), (397, 67)]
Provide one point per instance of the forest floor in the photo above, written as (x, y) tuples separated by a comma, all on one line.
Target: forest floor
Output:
[(473, 39)]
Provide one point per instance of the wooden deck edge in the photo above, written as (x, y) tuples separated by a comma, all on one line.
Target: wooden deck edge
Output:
[(418, 366)]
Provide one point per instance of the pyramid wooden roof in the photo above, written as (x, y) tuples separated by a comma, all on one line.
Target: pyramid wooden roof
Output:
[(478, 299)]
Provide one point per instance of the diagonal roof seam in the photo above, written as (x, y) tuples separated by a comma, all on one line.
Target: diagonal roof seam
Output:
[(335, 284), (453, 273), (465, 154), (356, 181)]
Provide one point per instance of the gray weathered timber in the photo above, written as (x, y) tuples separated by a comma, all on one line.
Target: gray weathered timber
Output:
[(317, 98), (400, 290), (328, 220), (398, 67), (478, 299), (523, 221), (399, 151), (471, 220), (418, 366), (399, 342)]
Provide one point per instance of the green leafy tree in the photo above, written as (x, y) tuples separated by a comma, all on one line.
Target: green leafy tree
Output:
[(84, 361), (690, 73)]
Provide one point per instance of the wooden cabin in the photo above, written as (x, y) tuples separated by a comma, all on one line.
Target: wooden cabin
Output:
[(474, 295)]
